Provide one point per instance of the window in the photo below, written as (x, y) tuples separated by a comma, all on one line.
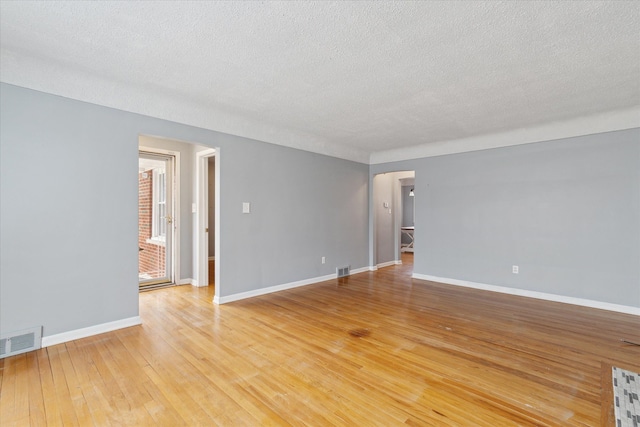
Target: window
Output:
[(159, 206)]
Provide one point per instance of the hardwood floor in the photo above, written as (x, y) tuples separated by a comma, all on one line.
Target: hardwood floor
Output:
[(212, 272), (374, 349)]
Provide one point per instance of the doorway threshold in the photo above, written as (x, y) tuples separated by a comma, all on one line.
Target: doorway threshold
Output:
[(156, 286)]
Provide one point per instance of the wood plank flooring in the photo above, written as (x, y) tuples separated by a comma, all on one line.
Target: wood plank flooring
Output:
[(374, 349), (212, 272)]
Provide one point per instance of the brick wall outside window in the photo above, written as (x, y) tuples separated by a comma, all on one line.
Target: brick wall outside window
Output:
[(151, 259)]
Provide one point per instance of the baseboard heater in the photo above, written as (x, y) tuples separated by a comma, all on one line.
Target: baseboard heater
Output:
[(18, 342)]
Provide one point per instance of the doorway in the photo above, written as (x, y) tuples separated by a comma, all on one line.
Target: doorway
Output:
[(156, 219), (393, 218), (211, 218), (208, 219), (407, 224)]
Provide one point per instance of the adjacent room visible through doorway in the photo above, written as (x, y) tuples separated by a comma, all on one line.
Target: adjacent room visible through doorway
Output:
[(394, 223), (211, 209)]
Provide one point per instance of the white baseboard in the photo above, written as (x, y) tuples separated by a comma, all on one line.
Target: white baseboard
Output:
[(532, 294), (387, 264), (192, 282), (90, 331), (277, 288), (270, 289)]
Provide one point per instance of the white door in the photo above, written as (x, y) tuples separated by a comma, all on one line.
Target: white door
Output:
[(155, 218)]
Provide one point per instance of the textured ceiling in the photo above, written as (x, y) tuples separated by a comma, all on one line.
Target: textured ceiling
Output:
[(343, 78)]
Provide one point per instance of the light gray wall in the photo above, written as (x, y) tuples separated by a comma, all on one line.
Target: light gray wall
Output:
[(303, 206), (68, 211), (187, 177), (567, 212)]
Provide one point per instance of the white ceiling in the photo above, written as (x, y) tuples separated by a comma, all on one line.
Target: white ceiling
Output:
[(367, 81)]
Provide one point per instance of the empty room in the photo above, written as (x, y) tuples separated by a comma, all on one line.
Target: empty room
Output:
[(310, 213)]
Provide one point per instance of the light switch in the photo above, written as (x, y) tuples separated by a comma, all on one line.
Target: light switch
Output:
[(193, 208), (246, 207)]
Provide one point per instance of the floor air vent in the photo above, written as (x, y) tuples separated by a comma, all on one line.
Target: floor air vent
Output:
[(20, 341), (343, 271)]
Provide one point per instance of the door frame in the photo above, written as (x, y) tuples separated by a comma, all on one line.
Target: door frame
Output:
[(175, 249), (202, 216), (396, 207)]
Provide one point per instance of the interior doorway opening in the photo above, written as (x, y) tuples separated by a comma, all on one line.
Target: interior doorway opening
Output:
[(393, 206), (195, 222), (211, 218), (207, 210)]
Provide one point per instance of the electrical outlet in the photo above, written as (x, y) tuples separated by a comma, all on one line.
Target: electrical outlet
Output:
[(515, 269), (323, 260)]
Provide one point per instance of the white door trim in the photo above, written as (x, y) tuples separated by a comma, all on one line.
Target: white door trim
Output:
[(201, 258)]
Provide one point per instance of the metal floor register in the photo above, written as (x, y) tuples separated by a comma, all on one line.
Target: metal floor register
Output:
[(626, 388)]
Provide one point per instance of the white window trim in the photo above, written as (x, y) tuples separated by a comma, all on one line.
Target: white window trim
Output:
[(160, 241), (156, 218)]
